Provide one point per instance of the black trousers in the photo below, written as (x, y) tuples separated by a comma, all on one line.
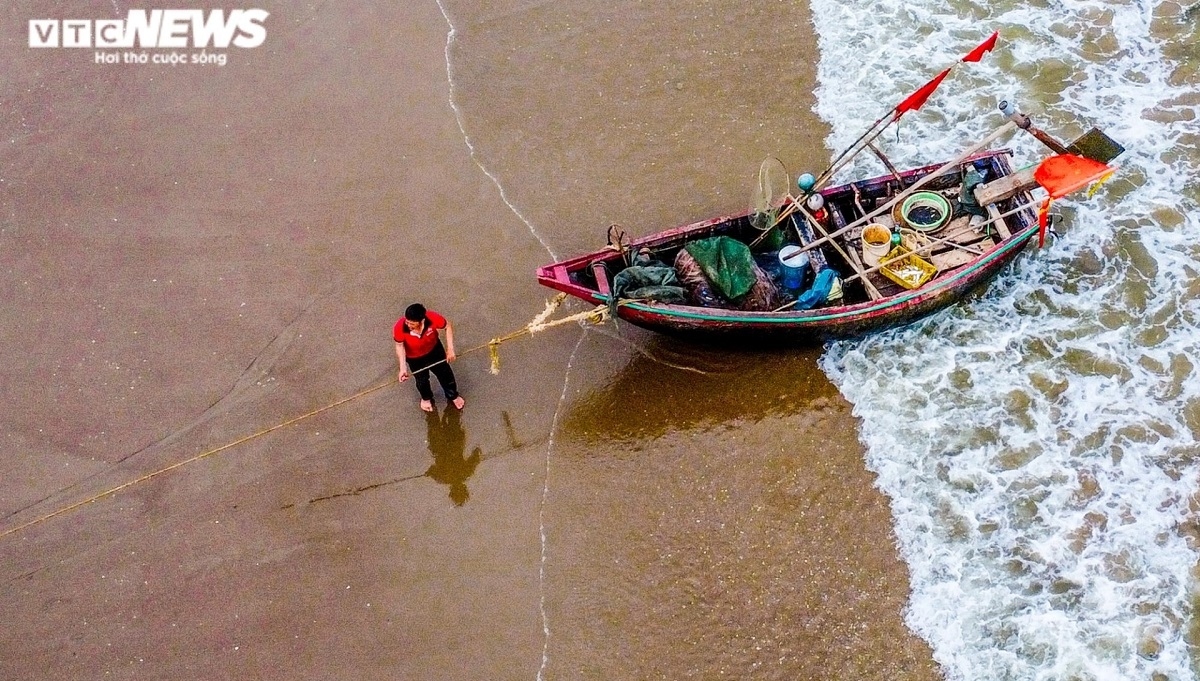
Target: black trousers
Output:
[(418, 366)]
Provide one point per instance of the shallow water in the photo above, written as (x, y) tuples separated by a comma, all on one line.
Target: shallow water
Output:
[(1038, 442)]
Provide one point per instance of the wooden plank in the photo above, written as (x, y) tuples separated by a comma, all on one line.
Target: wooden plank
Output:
[(886, 287), (601, 274), (1000, 225), (957, 228), (975, 243), (948, 260), (960, 232), (807, 236), (1006, 187)]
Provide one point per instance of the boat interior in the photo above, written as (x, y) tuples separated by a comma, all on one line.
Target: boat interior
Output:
[(876, 254)]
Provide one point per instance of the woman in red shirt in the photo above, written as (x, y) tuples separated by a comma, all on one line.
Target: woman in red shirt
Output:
[(420, 351)]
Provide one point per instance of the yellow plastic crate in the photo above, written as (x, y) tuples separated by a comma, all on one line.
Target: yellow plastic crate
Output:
[(906, 268)]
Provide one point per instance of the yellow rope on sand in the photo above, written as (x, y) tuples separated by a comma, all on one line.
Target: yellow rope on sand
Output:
[(539, 323)]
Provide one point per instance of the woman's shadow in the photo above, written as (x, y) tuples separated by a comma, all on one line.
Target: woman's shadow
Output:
[(448, 445)]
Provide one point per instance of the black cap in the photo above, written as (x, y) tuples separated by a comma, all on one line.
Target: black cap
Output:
[(415, 312)]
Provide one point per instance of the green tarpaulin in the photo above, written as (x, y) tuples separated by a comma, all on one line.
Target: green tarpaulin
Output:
[(727, 263)]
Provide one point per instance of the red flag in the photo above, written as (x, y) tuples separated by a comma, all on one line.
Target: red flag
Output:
[(917, 99), (1062, 174), (985, 46)]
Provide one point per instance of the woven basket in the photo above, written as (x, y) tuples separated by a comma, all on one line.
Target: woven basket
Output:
[(913, 240)]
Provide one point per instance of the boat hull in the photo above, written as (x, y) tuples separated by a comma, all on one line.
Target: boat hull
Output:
[(586, 277), (814, 326)]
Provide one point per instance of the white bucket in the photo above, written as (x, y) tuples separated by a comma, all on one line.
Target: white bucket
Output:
[(876, 242)]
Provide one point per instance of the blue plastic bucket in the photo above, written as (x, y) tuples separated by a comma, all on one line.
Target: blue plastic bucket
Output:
[(792, 269)]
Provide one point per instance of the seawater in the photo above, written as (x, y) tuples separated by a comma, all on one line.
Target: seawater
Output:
[(1038, 441)]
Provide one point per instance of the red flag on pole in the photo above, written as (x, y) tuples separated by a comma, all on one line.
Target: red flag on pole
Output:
[(917, 99), (985, 46), (1062, 174)]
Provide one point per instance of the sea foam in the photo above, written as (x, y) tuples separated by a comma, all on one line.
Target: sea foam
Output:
[(1038, 442)]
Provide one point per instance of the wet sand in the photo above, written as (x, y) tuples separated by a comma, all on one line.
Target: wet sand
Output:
[(193, 254)]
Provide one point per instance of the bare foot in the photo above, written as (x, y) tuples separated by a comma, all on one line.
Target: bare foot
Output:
[(459, 402), (426, 405)]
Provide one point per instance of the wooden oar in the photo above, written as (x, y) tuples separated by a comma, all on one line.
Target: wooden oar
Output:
[(997, 133)]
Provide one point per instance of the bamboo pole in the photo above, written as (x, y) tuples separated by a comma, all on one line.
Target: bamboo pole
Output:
[(997, 133), (872, 292), (886, 162), (854, 149)]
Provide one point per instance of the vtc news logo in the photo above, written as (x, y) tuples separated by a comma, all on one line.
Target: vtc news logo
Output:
[(155, 29)]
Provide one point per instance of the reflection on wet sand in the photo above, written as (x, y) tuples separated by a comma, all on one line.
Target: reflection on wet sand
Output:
[(650, 397), (447, 441)]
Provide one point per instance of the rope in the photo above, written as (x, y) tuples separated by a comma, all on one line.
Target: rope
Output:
[(539, 323), (597, 315)]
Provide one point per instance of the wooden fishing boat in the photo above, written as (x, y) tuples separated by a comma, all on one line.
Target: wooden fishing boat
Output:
[(966, 256), (951, 229)]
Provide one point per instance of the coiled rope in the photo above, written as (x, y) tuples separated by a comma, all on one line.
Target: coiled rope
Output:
[(539, 323)]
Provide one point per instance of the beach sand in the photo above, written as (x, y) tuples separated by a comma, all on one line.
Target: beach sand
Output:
[(195, 254)]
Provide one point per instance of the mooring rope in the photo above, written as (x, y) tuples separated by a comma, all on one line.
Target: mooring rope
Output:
[(539, 323)]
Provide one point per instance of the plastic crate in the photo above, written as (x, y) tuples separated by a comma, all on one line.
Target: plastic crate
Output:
[(906, 268)]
